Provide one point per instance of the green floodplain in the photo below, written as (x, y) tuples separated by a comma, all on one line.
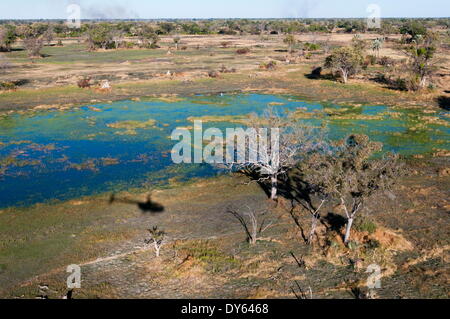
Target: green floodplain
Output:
[(65, 154)]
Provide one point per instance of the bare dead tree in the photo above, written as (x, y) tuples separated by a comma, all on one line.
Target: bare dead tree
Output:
[(300, 293), (273, 145), (249, 221), (34, 45), (326, 44), (49, 35), (315, 215), (117, 37)]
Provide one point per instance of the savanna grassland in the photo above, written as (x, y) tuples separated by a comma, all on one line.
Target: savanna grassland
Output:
[(52, 81), (206, 253)]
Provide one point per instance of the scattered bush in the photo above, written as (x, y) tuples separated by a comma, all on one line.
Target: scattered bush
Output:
[(227, 32), (213, 74), (209, 255), (243, 51), (84, 83), (272, 65), (365, 224), (372, 244), (290, 41), (224, 69), (371, 59), (7, 85), (386, 61), (126, 45), (358, 43), (312, 46)]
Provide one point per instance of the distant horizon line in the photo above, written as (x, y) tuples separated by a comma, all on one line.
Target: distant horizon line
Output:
[(147, 19)]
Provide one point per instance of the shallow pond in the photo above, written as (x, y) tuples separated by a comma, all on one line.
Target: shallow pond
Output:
[(60, 155)]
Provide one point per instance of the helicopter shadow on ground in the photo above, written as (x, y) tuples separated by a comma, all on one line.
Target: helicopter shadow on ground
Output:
[(146, 207)]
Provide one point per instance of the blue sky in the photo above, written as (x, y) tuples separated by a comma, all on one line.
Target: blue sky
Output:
[(145, 9)]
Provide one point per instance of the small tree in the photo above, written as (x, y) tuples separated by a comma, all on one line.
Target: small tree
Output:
[(100, 36), (347, 61), (352, 176), (309, 184), (34, 37), (176, 40), (118, 38), (421, 61), (148, 37), (358, 43), (290, 41), (7, 37), (157, 238), (414, 29), (377, 45), (85, 82), (49, 35)]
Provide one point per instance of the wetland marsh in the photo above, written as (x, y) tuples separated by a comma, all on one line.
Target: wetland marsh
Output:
[(64, 154)]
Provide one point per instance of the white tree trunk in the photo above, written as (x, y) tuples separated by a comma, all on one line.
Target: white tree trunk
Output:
[(315, 219), (344, 76), (157, 249), (274, 188), (347, 231), (423, 82), (313, 229)]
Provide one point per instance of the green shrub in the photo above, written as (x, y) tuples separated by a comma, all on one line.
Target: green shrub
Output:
[(268, 65), (243, 51), (386, 61), (7, 85), (372, 244), (213, 259), (312, 46), (371, 59), (365, 224)]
